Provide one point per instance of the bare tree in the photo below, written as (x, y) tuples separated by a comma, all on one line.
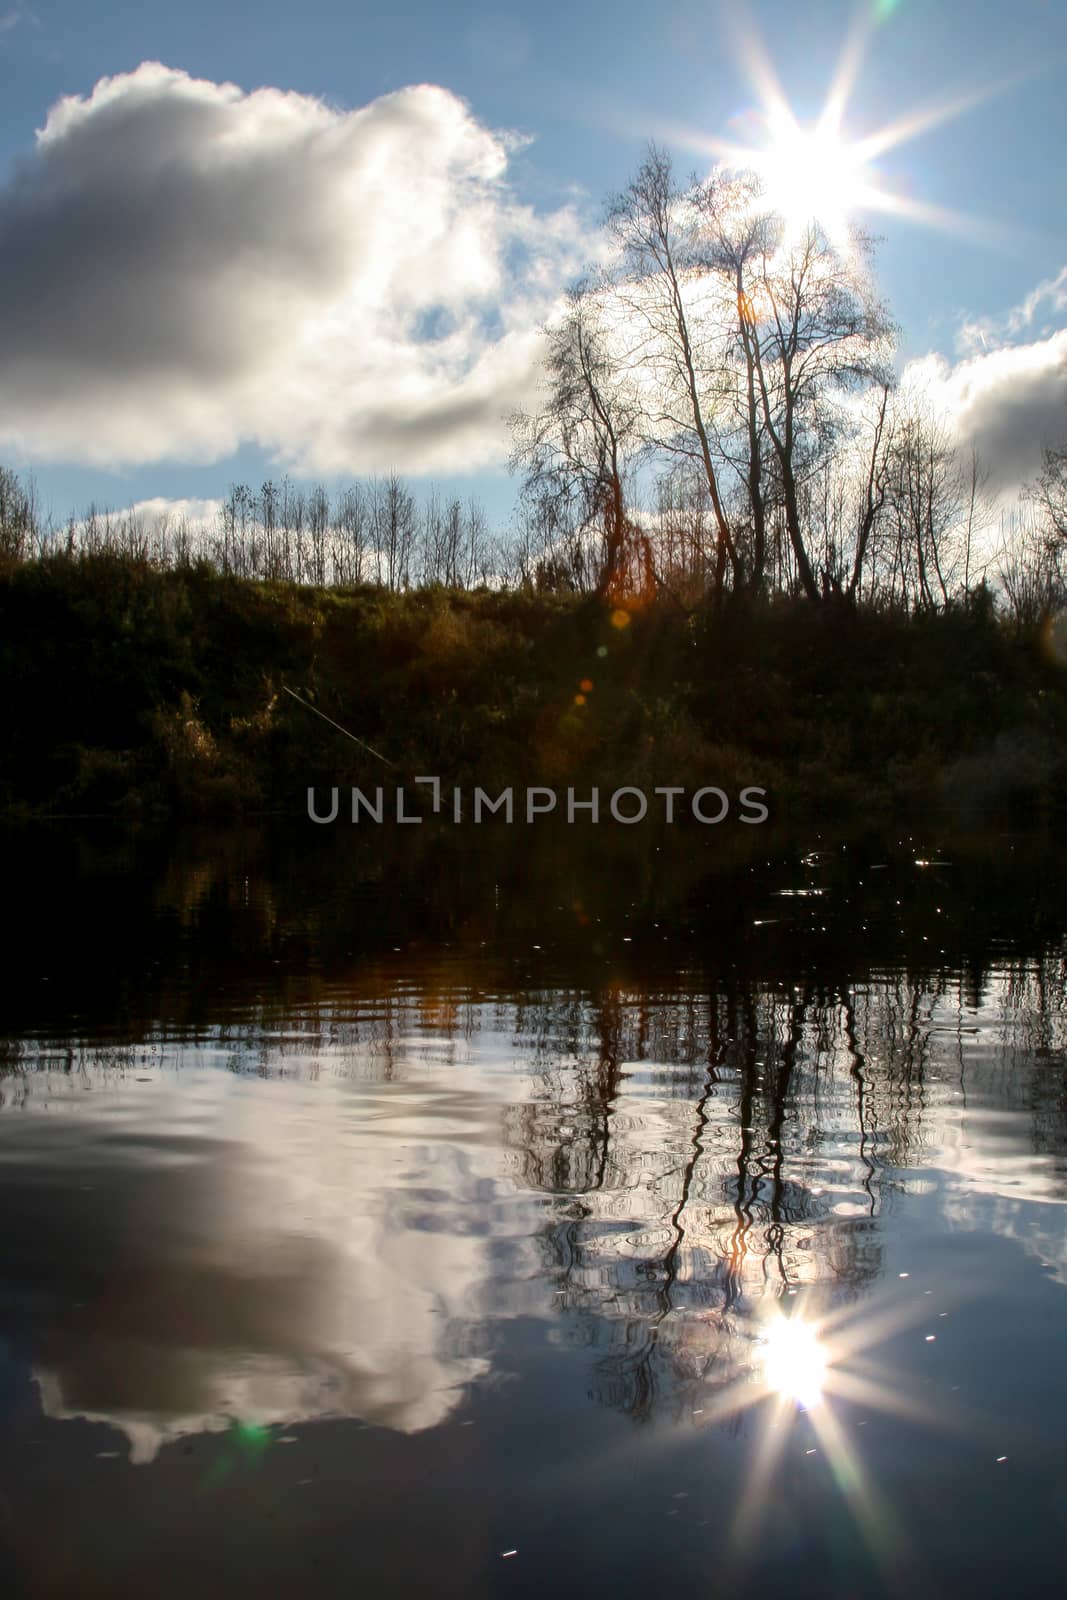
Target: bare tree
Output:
[(876, 476), (682, 539), (816, 333), (978, 511), (653, 224), (576, 452), (1033, 563), (1031, 574), (350, 535), (19, 521), (729, 347), (735, 232), (1048, 496), (935, 505), (393, 522)]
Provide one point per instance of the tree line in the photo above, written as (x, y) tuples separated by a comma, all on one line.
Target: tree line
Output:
[(365, 533), (718, 417)]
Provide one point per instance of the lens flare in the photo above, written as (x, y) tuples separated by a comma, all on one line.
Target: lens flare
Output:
[(1054, 638)]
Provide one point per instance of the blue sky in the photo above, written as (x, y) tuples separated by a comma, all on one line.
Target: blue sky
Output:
[(587, 85)]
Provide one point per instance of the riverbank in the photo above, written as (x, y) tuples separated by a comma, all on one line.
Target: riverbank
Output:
[(135, 691)]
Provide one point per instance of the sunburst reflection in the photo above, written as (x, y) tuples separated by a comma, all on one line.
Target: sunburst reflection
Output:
[(816, 1369), (794, 1361)]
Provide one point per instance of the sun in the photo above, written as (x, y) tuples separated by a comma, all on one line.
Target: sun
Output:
[(815, 172), (812, 176), (794, 1361)]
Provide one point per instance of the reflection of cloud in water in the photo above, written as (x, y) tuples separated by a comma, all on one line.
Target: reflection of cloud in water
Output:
[(992, 1181), (331, 1240), (283, 1251)]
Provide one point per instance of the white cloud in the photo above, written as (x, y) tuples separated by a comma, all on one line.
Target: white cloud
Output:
[(1050, 295), (1037, 312), (302, 1256), (1010, 401), (188, 266), (160, 512), (9, 20)]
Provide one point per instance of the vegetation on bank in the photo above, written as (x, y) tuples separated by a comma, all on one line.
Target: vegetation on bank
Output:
[(137, 690)]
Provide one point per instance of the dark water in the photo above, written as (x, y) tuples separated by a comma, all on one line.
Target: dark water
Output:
[(578, 1214)]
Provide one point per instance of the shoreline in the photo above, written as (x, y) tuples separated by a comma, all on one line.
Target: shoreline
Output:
[(143, 693)]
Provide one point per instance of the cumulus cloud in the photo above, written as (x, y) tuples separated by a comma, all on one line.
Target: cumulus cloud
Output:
[(187, 266), (1038, 312), (1009, 401), (1007, 393), (284, 1268), (159, 513)]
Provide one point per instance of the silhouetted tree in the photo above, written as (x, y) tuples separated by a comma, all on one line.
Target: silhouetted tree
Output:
[(578, 449)]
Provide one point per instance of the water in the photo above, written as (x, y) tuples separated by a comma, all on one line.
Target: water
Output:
[(582, 1214)]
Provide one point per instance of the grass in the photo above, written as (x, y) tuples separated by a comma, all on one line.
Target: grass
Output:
[(135, 690)]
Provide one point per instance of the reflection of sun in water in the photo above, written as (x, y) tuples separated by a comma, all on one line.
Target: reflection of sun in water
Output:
[(793, 1361), (811, 1378), (817, 1366)]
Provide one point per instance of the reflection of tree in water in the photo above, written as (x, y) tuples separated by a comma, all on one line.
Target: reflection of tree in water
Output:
[(678, 1204), (753, 1165), (711, 1115), (1031, 1017)]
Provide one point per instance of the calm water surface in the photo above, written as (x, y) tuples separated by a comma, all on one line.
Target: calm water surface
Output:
[(578, 1215)]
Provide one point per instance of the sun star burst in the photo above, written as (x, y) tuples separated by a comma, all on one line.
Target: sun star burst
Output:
[(817, 172)]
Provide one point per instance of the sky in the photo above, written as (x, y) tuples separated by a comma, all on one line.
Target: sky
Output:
[(247, 239)]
